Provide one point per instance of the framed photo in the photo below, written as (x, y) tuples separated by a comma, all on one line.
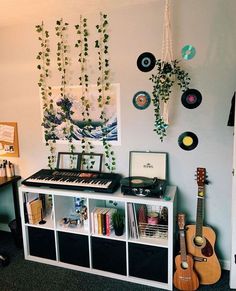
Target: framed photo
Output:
[(91, 162), (66, 160)]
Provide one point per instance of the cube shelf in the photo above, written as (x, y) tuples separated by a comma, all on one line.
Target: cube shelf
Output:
[(66, 234)]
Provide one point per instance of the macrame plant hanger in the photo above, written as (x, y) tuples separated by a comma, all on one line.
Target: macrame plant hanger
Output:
[(166, 55)]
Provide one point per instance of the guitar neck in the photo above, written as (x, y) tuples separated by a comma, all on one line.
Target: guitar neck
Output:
[(183, 252), (200, 211)]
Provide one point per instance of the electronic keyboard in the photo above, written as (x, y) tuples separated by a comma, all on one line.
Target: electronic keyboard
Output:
[(75, 180)]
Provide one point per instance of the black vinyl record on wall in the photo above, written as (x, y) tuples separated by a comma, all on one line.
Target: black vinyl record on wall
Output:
[(188, 141), (146, 62), (191, 98)]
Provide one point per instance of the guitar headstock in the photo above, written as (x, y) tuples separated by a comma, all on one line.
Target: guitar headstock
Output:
[(201, 176), (181, 221)]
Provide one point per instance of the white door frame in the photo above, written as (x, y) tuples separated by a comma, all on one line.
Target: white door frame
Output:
[(232, 279)]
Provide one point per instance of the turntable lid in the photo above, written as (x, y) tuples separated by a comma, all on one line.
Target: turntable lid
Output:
[(147, 164)]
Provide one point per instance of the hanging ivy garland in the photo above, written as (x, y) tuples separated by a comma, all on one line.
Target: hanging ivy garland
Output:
[(168, 73), (46, 92), (62, 113), (65, 104), (82, 45), (103, 84)]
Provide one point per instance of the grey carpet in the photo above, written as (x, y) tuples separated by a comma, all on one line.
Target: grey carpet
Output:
[(22, 275)]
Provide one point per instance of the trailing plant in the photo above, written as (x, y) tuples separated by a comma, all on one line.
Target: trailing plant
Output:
[(103, 84), (46, 93), (168, 73), (82, 45), (63, 63), (163, 81)]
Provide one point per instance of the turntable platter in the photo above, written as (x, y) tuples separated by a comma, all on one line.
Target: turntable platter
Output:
[(137, 181)]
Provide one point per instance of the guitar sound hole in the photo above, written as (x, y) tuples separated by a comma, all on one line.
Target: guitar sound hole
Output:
[(184, 265), (198, 241)]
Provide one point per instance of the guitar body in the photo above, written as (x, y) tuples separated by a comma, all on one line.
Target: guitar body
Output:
[(185, 278), (206, 262)]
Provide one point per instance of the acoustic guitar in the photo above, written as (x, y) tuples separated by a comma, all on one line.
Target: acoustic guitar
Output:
[(201, 240), (185, 277)]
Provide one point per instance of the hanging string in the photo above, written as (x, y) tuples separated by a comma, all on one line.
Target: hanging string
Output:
[(167, 51), (167, 54)]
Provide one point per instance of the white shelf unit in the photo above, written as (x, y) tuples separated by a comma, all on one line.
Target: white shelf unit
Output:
[(146, 260)]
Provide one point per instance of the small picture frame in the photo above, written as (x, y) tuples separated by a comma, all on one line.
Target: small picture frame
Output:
[(66, 160), (91, 162)]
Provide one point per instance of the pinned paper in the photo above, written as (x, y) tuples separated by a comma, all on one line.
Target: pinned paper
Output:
[(7, 133), (9, 139)]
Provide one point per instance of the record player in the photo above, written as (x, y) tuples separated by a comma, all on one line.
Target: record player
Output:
[(147, 172)]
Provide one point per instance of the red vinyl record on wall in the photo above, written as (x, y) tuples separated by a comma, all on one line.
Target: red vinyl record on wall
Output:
[(191, 98), (141, 100)]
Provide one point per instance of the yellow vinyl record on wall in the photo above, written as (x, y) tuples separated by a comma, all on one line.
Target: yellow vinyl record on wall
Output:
[(188, 141)]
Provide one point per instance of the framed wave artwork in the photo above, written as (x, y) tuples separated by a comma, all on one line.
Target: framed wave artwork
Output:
[(68, 111)]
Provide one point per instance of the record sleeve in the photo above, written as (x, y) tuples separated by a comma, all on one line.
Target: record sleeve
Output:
[(147, 164)]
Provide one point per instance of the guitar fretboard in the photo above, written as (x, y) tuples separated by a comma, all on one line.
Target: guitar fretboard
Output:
[(183, 251), (200, 211)]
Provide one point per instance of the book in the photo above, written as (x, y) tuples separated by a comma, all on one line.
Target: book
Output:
[(133, 225), (103, 217), (109, 225), (34, 210), (96, 219), (135, 221)]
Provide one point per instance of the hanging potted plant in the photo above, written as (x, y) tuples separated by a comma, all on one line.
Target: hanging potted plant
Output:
[(168, 72)]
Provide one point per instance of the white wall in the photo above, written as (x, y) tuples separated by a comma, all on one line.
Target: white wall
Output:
[(208, 25)]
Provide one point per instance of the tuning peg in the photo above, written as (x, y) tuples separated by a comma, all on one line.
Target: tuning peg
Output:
[(207, 182)]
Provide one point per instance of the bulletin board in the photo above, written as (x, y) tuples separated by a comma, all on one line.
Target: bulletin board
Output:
[(9, 146)]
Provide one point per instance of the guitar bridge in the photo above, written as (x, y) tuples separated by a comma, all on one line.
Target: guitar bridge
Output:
[(200, 259)]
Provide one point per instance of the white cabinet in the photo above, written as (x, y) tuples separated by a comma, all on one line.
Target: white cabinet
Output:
[(145, 258)]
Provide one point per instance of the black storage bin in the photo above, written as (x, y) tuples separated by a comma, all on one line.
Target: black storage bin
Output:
[(109, 255), (73, 249), (148, 262), (42, 243), (16, 233)]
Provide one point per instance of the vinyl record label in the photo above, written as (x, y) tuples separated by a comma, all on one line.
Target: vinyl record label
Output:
[(146, 62), (141, 100), (191, 98), (188, 141), (136, 181), (188, 52)]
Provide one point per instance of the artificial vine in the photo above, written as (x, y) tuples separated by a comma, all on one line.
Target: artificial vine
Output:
[(163, 81), (103, 84), (60, 116), (46, 92), (82, 45), (63, 63)]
